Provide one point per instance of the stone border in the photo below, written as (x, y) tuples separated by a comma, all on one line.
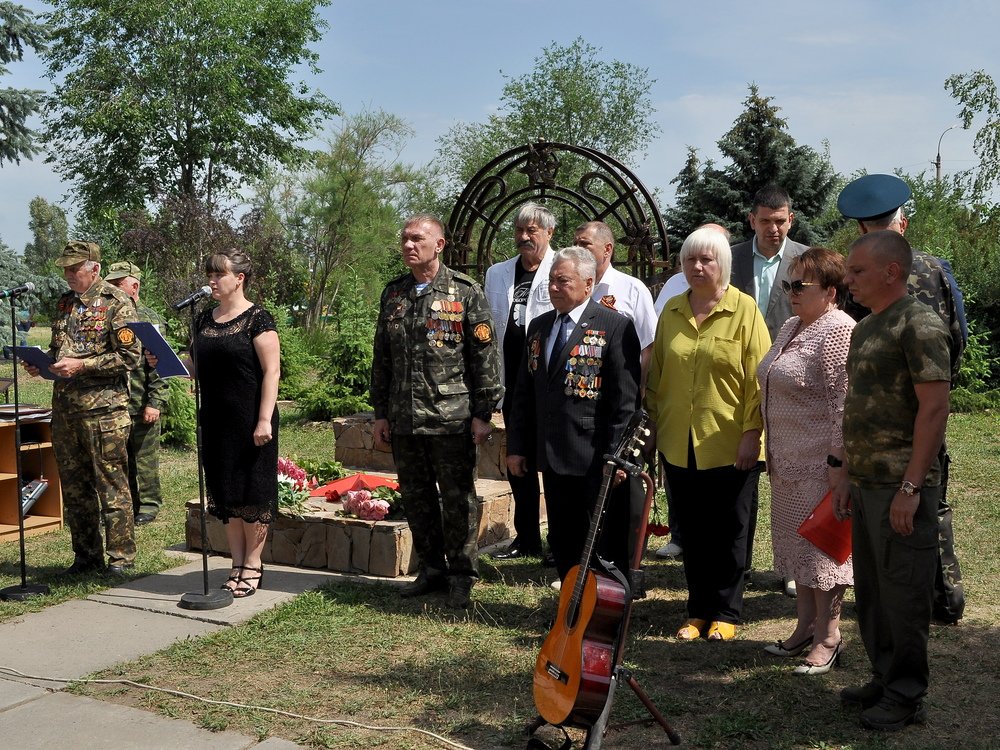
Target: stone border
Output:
[(322, 539)]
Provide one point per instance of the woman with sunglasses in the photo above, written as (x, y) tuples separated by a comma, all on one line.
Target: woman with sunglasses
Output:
[(804, 382)]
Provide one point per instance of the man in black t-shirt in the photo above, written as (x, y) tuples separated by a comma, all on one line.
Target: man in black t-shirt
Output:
[(518, 292)]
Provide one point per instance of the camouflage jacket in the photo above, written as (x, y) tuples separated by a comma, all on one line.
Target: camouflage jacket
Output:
[(436, 363), (930, 284), (146, 387), (890, 353), (92, 327)]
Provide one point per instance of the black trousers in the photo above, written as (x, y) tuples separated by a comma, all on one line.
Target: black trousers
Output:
[(569, 504), (526, 493), (751, 494), (714, 511)]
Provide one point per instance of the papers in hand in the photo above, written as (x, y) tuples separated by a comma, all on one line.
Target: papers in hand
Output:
[(168, 365), (36, 357)]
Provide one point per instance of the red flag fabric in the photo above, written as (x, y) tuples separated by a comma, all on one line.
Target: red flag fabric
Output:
[(333, 490)]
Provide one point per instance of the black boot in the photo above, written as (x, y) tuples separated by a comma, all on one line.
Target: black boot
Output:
[(461, 588), (425, 582), (83, 565)]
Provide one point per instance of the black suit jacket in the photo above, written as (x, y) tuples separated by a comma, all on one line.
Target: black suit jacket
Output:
[(570, 432)]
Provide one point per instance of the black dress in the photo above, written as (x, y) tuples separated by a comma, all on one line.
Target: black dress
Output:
[(242, 478)]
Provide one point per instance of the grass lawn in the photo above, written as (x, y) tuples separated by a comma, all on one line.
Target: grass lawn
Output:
[(359, 653)]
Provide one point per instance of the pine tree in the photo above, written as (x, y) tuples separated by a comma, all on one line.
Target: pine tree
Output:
[(758, 151), (17, 29)]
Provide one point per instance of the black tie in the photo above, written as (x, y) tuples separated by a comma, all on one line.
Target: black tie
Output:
[(561, 336)]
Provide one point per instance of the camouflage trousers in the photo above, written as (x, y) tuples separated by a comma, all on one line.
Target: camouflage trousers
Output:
[(437, 483), (92, 457), (949, 596), (144, 466)]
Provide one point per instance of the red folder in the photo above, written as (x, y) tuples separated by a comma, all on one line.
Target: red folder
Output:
[(823, 529)]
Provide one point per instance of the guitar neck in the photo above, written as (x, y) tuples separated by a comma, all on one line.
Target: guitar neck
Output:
[(595, 527)]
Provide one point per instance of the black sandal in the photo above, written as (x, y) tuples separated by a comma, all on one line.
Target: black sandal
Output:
[(232, 579), (245, 589)]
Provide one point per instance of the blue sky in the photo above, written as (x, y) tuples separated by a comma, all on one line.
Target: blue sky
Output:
[(866, 76)]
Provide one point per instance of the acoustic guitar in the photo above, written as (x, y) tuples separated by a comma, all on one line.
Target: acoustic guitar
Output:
[(575, 665)]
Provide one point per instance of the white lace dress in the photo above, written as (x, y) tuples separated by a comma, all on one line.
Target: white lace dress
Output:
[(804, 382)]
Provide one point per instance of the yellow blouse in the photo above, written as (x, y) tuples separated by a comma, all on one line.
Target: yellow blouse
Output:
[(703, 381)]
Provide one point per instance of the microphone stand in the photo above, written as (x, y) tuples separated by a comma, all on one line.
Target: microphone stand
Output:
[(24, 590), (215, 598)]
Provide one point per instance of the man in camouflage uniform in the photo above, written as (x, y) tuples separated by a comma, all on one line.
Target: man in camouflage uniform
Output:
[(94, 351), (435, 382), (876, 201), (895, 415), (147, 398)]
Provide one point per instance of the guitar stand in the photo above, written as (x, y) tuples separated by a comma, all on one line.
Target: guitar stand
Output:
[(595, 735)]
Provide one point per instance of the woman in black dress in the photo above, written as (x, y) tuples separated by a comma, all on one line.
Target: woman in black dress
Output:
[(237, 353)]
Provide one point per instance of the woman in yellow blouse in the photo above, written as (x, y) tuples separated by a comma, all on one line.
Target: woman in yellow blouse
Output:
[(703, 395)]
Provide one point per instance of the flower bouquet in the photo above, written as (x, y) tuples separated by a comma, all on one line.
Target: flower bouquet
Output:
[(293, 488)]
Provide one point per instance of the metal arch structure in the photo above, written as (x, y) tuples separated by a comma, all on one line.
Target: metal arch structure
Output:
[(606, 191)]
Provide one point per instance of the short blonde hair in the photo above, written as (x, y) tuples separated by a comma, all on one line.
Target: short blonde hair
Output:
[(706, 238)]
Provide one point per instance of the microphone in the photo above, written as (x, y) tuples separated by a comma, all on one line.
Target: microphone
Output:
[(205, 291), (16, 290)]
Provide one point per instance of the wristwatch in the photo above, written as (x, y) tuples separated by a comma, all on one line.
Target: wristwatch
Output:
[(908, 488), (833, 461)]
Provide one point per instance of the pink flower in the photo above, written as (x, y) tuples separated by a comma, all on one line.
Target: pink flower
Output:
[(289, 469), (361, 504)]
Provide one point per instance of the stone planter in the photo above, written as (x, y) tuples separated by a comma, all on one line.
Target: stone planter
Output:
[(355, 447), (323, 539)]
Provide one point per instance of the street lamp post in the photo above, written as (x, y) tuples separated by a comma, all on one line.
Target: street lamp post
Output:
[(937, 162)]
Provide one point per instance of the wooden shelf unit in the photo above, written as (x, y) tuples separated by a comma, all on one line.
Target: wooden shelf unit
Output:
[(37, 460)]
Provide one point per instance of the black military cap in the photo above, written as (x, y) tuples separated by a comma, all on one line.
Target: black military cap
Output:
[(873, 197)]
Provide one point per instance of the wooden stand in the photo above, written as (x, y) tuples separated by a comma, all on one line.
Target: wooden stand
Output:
[(37, 460)]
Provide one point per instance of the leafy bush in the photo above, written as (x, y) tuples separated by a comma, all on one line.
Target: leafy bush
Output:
[(964, 400), (178, 420), (326, 401), (346, 345), (298, 363), (322, 472), (978, 361)]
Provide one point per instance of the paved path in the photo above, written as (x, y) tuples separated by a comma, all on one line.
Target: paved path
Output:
[(74, 639)]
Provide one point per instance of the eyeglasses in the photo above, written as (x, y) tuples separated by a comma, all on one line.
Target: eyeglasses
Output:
[(797, 287)]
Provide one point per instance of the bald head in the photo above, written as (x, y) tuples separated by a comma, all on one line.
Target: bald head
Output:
[(888, 246), (599, 240), (878, 269)]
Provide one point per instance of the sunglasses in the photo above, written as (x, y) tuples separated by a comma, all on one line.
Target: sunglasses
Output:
[(797, 287)]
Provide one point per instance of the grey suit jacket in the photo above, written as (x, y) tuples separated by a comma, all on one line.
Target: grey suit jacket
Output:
[(779, 308)]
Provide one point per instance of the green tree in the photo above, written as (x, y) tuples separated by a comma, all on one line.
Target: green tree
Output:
[(12, 273), (172, 243), (18, 28), (190, 98), (49, 232), (757, 150), (977, 97), (947, 221), (572, 96), (343, 214)]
